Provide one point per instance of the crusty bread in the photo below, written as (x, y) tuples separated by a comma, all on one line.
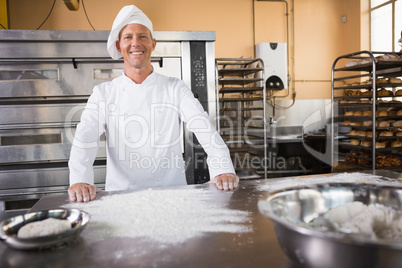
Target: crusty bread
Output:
[(350, 158), (361, 161), (381, 80), (384, 92), (391, 112), (366, 143), (397, 123), (365, 92), (396, 144), (367, 123), (354, 142), (351, 63), (394, 80), (352, 132), (381, 113), (379, 144), (383, 124), (367, 113), (361, 133), (352, 92), (388, 57), (386, 133), (387, 160)]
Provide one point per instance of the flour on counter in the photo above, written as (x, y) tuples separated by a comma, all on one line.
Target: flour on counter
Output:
[(165, 216), (355, 177)]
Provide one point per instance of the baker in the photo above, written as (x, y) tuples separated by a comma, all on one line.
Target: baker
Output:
[(140, 113)]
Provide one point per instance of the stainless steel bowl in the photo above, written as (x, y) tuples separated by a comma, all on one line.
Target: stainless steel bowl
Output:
[(291, 208), (9, 229)]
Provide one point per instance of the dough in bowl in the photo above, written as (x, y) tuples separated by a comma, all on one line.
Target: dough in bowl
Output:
[(49, 226)]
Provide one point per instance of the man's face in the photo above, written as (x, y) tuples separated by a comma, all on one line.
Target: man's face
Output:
[(136, 45)]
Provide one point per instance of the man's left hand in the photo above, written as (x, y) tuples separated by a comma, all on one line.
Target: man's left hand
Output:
[(226, 181)]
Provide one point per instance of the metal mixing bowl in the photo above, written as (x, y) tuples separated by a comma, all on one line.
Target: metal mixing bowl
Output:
[(291, 208), (9, 229)]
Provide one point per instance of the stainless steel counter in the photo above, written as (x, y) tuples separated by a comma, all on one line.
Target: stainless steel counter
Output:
[(258, 248)]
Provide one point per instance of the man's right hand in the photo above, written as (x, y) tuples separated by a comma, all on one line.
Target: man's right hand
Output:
[(81, 192)]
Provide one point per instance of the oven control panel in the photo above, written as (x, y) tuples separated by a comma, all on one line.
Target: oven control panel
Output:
[(200, 89), (199, 73)]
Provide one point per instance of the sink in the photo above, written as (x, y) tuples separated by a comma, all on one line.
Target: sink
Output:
[(281, 135), (285, 133)]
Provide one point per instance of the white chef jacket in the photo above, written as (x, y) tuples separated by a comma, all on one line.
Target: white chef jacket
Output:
[(141, 123)]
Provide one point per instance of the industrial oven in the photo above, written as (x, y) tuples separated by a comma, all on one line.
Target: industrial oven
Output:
[(46, 78)]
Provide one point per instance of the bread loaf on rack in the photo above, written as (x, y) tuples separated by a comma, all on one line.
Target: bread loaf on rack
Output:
[(358, 124), (355, 142), (381, 80), (352, 92), (368, 113), (396, 143), (381, 113), (380, 144), (394, 80), (350, 158), (383, 92), (353, 132), (366, 143), (364, 162), (361, 133), (383, 124), (388, 57), (367, 123), (387, 161), (397, 123), (386, 134)]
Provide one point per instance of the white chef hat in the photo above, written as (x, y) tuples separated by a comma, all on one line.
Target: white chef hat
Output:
[(127, 15)]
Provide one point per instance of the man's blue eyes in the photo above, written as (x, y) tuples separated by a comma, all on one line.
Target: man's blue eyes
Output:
[(129, 37)]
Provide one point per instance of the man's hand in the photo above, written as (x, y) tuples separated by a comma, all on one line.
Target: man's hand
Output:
[(81, 192), (226, 181)]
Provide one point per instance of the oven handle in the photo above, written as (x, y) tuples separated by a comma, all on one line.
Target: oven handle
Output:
[(74, 61)]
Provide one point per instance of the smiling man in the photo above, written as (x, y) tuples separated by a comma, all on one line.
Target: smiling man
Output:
[(140, 114), (136, 45)]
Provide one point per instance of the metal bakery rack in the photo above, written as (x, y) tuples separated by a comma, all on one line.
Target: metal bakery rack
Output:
[(242, 116), (367, 111)]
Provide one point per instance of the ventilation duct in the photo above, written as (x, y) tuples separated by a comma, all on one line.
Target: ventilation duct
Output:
[(72, 4)]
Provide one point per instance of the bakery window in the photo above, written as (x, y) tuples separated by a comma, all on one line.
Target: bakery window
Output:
[(386, 24)]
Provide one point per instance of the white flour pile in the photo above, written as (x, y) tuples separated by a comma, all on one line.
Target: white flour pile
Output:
[(373, 221), (49, 226), (355, 177), (165, 216)]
